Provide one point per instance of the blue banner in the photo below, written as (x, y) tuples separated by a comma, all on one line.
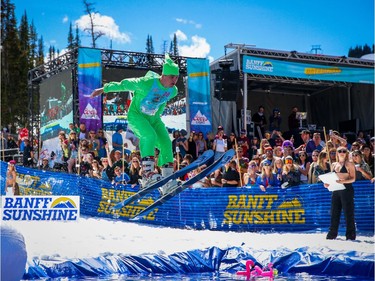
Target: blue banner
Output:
[(265, 66), (89, 78), (199, 95), (299, 208)]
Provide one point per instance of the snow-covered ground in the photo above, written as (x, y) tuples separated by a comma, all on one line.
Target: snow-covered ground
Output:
[(91, 237)]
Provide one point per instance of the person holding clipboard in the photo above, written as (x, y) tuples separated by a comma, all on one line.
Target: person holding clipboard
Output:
[(342, 197)]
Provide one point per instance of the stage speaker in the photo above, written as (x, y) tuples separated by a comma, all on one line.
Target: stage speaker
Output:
[(227, 86)]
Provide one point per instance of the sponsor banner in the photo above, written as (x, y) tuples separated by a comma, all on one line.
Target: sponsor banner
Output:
[(298, 208), (89, 79), (265, 66), (40, 208), (199, 95)]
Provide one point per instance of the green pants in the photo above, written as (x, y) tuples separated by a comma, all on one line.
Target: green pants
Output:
[(152, 133)]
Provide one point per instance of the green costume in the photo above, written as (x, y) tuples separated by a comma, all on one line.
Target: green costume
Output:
[(148, 103)]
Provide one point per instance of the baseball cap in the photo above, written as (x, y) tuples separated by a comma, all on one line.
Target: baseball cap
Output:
[(305, 132)]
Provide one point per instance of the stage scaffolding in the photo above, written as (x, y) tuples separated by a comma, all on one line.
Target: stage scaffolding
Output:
[(69, 61)]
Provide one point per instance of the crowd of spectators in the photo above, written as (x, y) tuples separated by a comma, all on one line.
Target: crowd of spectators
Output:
[(269, 161)]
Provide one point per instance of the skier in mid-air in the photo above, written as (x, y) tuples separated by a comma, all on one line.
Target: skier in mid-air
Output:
[(151, 94)]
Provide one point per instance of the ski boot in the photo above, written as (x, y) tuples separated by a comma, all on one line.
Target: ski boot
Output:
[(149, 176), (166, 171)]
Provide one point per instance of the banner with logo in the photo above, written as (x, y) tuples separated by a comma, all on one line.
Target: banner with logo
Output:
[(89, 78), (298, 208), (199, 95), (265, 66)]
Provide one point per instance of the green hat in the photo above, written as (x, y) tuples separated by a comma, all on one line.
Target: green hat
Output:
[(169, 67)]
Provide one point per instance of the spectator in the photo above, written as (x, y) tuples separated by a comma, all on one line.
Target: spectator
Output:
[(83, 133), (216, 178), (181, 143), (303, 166), (332, 156), (288, 149), (231, 176), (260, 122), (322, 166), (85, 166), (107, 171), (252, 173), (11, 142), (231, 141), (363, 171), (73, 146), (119, 161), (275, 120), (120, 177), (11, 186), (314, 144), (73, 128), (244, 142), (278, 151), (336, 139), (134, 171), (210, 140), (343, 199), (254, 146), (291, 175), (242, 162), (176, 135), (96, 169), (276, 139), (201, 144), (117, 141), (93, 144), (267, 179), (311, 178), (192, 146), (269, 154), (293, 122), (220, 145), (368, 157), (263, 144), (28, 154), (278, 168), (45, 165)]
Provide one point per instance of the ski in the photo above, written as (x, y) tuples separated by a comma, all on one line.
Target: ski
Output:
[(203, 159), (225, 158)]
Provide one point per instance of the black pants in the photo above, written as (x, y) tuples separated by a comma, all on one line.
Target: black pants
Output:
[(342, 200)]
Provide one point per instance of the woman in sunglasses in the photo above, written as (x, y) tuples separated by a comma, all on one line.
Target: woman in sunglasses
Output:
[(343, 199), (252, 173), (267, 179)]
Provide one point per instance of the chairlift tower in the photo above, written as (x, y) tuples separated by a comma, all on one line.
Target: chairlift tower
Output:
[(316, 49)]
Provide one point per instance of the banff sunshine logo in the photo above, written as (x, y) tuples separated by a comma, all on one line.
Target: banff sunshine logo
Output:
[(40, 208), (259, 65)]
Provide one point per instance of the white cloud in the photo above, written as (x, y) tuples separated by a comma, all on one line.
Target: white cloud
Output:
[(199, 48), (180, 35), (185, 21), (104, 24), (65, 19)]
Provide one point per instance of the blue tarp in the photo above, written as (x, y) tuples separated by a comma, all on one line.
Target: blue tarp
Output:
[(211, 259)]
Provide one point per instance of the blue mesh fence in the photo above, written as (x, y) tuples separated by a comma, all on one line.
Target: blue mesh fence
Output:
[(300, 208)]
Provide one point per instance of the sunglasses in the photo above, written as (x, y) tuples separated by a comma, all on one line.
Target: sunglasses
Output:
[(288, 162), (342, 151), (253, 166), (304, 155), (315, 155)]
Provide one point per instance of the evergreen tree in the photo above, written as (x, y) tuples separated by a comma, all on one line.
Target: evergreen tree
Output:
[(360, 51), (70, 38), (33, 46), (173, 48), (40, 52), (149, 45), (13, 109), (77, 41)]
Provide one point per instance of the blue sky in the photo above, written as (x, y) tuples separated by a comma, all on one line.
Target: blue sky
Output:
[(205, 27)]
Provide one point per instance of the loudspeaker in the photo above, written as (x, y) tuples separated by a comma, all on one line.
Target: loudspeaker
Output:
[(227, 86)]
